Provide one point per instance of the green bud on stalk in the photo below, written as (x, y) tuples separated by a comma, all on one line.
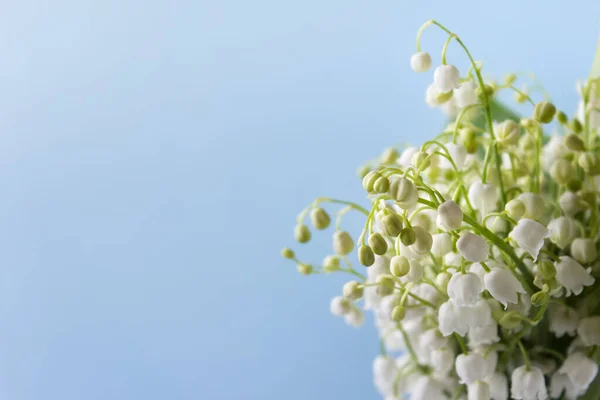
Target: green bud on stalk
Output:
[(398, 313), (366, 256), (575, 126), (382, 185), (319, 218), (408, 236), (342, 243), (544, 112), (331, 263), (515, 209), (392, 225), (378, 244), (287, 253), (539, 299), (399, 266), (353, 290), (302, 233), (305, 269), (386, 285), (546, 269), (562, 117), (574, 142), (389, 156), (510, 320)]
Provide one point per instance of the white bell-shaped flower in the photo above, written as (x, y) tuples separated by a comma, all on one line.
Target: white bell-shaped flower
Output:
[(503, 286), (483, 197), (415, 273), (355, 318), (458, 154), (433, 339), (471, 367), (535, 207), (498, 386), (446, 78), (530, 235), (432, 96), (442, 244), (588, 330), (528, 384), (449, 215), (563, 230), (453, 260), (339, 306), (584, 250), (405, 159), (473, 247), (562, 320), (384, 373), (478, 269), (572, 276), (420, 62), (465, 289), (477, 315), (478, 391), (427, 388), (580, 369), (466, 94), (442, 361), (561, 383), (450, 319), (484, 335), (569, 203)]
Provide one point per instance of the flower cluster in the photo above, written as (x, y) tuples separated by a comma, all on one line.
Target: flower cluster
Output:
[(480, 247)]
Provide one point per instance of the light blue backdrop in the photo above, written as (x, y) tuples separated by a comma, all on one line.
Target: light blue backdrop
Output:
[(154, 155)]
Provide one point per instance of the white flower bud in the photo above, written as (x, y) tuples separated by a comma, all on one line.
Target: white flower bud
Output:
[(569, 202), (384, 374), (478, 391), (453, 259), (355, 318), (562, 319), (473, 247), (420, 62), (498, 386), (562, 171), (534, 205), (471, 367), (515, 209), (353, 290), (423, 241), (415, 273), (431, 96), (580, 370), (466, 94), (561, 382), (477, 315), (503, 286), (528, 384), (342, 243), (451, 321), (483, 197), (464, 289), (339, 306), (563, 230), (427, 388), (484, 335), (449, 215), (446, 78), (442, 244), (508, 132), (530, 236), (572, 276), (404, 192), (588, 330), (584, 250)]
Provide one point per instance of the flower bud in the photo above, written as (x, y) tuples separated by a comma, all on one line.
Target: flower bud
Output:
[(468, 137), (589, 162), (408, 236), (588, 197), (508, 132), (353, 290), (398, 313), (389, 156), (420, 62), (544, 112), (442, 280), (584, 250), (302, 233), (562, 117), (305, 269), (574, 142), (404, 192), (287, 253), (366, 256), (575, 126), (363, 171), (420, 160), (510, 320), (378, 244), (473, 247), (319, 218), (546, 269), (342, 243), (569, 203), (562, 171), (488, 90), (574, 185), (399, 266), (423, 240), (540, 298), (386, 285), (510, 79), (391, 224), (515, 209), (369, 181), (520, 97), (340, 306), (331, 264), (449, 215), (446, 78), (382, 185), (528, 124)]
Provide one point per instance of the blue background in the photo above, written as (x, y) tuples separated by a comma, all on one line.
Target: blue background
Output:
[(154, 155)]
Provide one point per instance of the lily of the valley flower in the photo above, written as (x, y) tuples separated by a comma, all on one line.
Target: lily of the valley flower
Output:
[(473, 247), (580, 369), (530, 235), (528, 384), (572, 275), (503, 286), (464, 289)]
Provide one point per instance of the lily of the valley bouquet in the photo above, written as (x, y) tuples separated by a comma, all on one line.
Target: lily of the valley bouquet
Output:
[(479, 250)]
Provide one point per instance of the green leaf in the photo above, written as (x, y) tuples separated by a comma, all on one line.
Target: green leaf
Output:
[(499, 113)]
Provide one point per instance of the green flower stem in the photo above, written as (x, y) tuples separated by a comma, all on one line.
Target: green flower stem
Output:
[(338, 220), (460, 117), (522, 94), (461, 343), (355, 273), (486, 162), (408, 343), (348, 203), (525, 355)]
